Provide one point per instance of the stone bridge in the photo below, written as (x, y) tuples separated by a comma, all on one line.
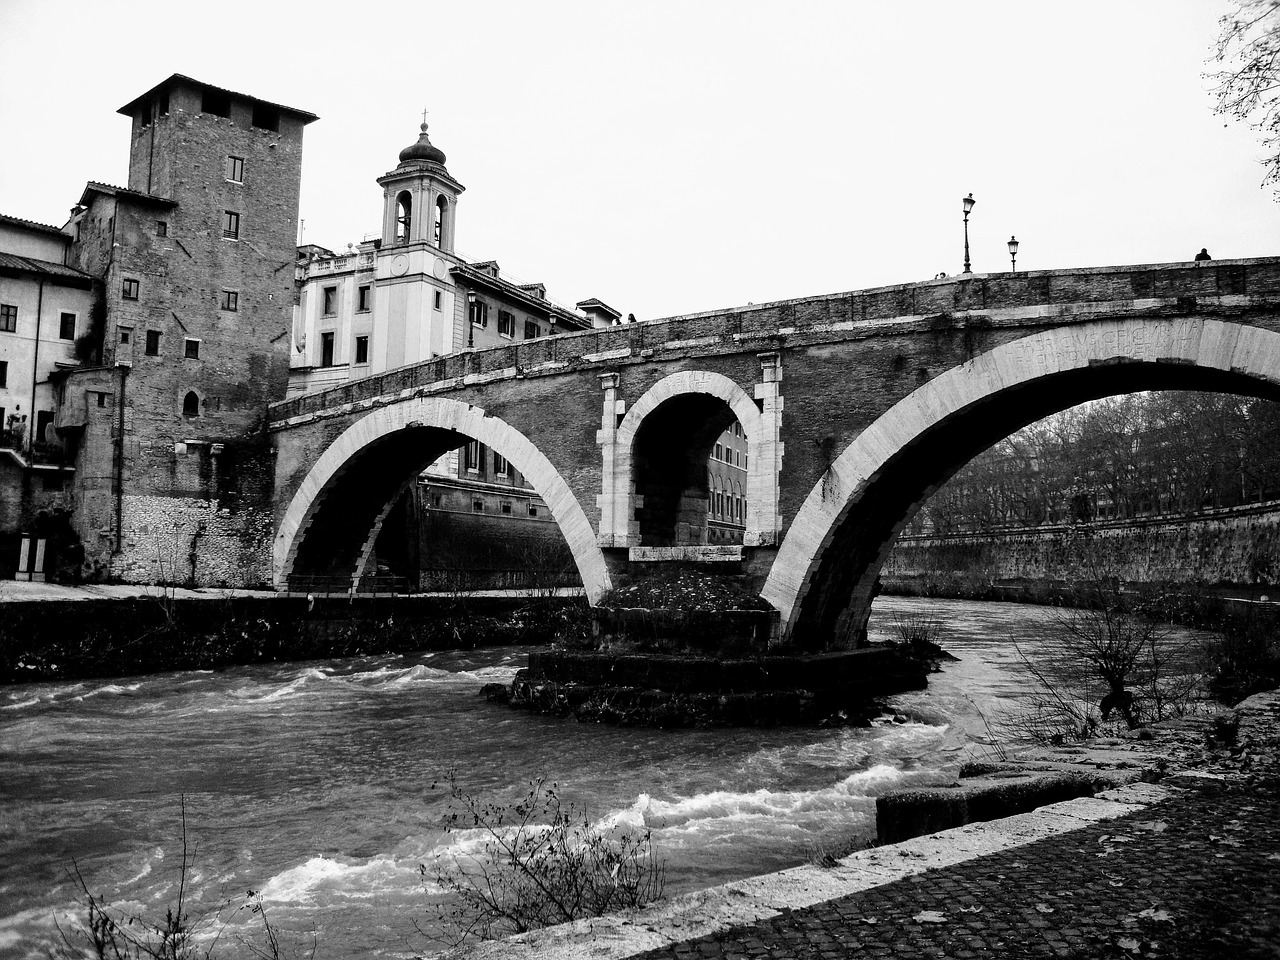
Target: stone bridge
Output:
[(856, 406)]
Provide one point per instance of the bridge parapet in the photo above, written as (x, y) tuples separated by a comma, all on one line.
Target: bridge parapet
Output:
[(1053, 294)]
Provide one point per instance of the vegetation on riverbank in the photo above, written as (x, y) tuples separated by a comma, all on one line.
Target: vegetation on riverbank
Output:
[(64, 640)]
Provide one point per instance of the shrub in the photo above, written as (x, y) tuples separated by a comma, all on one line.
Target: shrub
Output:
[(541, 862)]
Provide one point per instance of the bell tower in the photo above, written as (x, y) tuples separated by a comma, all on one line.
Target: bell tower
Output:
[(419, 198), (414, 294)]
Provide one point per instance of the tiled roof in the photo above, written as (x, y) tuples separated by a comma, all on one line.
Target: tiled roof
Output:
[(30, 224), (128, 108), (13, 262), (94, 186)]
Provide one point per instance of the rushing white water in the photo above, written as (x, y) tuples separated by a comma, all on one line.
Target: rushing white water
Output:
[(313, 784)]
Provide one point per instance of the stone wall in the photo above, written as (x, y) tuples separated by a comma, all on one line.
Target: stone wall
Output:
[(193, 541), (1232, 546)]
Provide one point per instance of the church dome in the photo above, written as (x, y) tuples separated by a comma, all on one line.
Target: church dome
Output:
[(422, 150)]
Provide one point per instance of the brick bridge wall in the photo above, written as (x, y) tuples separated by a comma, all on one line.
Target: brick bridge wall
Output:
[(876, 397)]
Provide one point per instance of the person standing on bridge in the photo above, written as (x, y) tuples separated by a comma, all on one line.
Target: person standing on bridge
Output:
[(1203, 254)]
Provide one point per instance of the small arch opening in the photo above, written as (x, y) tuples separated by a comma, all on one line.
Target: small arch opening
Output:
[(404, 217), (437, 228), (191, 404)]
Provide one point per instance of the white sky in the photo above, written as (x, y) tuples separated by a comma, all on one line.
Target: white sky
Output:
[(669, 157)]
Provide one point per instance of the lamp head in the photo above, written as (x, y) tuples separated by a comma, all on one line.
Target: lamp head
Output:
[(1013, 246), (968, 204)]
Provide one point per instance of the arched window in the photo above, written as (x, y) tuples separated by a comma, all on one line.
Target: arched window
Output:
[(191, 404), (437, 230), (404, 217)]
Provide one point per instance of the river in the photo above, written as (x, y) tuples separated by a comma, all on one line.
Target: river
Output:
[(312, 783)]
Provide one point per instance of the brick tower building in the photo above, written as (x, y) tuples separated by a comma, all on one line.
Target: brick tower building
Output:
[(191, 340)]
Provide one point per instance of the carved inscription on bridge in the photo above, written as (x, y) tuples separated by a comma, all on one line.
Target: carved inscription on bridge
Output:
[(1138, 340)]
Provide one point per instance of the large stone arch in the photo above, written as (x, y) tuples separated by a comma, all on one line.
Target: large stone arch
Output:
[(618, 524), (966, 409), (443, 417)]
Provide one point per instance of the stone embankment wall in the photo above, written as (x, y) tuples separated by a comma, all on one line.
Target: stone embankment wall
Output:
[(1235, 546)]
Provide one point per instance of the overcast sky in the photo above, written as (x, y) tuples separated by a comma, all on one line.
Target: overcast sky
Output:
[(670, 157)]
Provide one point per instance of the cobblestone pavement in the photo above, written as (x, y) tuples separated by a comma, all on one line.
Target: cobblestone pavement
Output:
[(1196, 876)]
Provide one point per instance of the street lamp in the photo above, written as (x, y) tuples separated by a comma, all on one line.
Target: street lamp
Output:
[(968, 205), (1013, 252), (471, 319)]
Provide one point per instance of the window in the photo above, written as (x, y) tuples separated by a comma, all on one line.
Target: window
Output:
[(215, 102), (362, 349), (533, 510), (500, 466), (719, 454), (506, 508), (126, 334), (192, 351), (44, 420), (437, 228), (67, 326), (479, 311), (8, 317), (330, 301), (506, 323), (191, 404), (326, 349), (102, 399), (439, 300), (235, 169), (364, 298), (4, 380), (153, 343), (266, 118), (162, 228), (477, 506), (471, 457), (130, 290), (230, 300), (230, 225), (531, 330), (404, 217)]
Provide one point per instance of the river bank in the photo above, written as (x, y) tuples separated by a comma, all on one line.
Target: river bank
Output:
[(51, 632)]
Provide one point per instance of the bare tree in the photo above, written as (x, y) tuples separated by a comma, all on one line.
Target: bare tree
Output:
[(1248, 78)]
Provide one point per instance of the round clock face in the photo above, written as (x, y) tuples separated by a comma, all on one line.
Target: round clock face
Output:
[(399, 265)]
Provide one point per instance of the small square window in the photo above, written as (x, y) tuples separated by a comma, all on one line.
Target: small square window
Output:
[(230, 225), (130, 290), (506, 508), (533, 510), (126, 334), (362, 349), (230, 300), (235, 169), (162, 228), (67, 326), (364, 298), (153, 343), (477, 506), (192, 350)]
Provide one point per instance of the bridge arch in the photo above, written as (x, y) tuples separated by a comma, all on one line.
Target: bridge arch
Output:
[(688, 410), (822, 580), (355, 481)]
